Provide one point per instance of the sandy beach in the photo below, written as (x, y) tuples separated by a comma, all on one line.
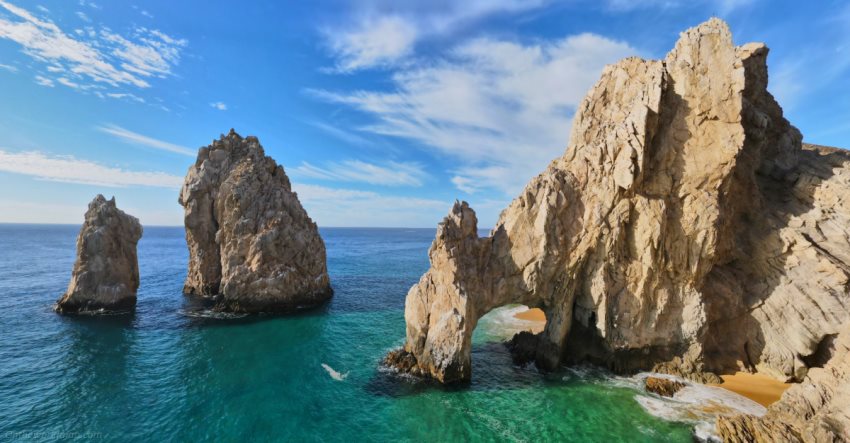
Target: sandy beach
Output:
[(533, 314), (760, 388)]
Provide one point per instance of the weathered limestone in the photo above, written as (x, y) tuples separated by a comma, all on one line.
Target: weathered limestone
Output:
[(685, 228), (663, 386), (816, 410), (106, 273), (251, 243)]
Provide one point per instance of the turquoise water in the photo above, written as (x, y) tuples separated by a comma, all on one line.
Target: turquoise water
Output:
[(171, 373)]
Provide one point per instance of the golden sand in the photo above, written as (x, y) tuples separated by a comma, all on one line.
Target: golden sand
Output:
[(533, 314), (757, 387)]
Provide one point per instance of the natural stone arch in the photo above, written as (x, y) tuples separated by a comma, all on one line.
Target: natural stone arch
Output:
[(683, 208)]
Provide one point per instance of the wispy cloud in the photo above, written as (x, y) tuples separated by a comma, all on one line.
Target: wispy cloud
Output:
[(339, 133), (380, 35), (139, 139), (390, 174), (722, 7), (92, 58), (69, 169), (348, 207), (221, 106), (9, 68), (373, 43), (44, 81), (501, 107)]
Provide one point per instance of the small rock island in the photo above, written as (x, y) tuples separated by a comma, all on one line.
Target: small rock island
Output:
[(252, 245), (105, 277)]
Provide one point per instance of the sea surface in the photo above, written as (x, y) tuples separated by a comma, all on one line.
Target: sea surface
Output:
[(175, 372)]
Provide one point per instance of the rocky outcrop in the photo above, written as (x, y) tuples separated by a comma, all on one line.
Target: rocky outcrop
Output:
[(685, 228), (664, 387), (816, 410), (251, 244), (106, 273)]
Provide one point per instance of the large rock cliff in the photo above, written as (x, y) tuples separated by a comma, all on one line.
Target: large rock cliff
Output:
[(106, 273), (251, 243), (686, 228)]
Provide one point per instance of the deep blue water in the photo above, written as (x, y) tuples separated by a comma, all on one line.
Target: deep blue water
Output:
[(169, 373)]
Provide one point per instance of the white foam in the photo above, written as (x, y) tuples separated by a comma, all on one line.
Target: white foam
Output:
[(502, 324), (334, 374), (697, 404)]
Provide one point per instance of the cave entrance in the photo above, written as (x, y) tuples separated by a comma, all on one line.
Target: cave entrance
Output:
[(502, 323)]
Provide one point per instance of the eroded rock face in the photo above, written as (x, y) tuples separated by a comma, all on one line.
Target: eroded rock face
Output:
[(251, 243), (686, 228), (106, 273), (663, 386), (816, 410)]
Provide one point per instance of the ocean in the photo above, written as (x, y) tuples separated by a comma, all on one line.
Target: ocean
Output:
[(176, 372)]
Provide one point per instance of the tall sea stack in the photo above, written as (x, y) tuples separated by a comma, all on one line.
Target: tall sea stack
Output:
[(251, 243), (686, 229), (106, 273)]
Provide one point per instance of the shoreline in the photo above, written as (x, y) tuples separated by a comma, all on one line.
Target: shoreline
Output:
[(760, 388), (535, 317), (532, 314)]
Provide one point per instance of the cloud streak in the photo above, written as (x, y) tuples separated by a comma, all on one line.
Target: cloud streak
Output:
[(378, 38), (68, 169), (348, 207), (488, 101), (92, 59), (139, 139), (390, 174)]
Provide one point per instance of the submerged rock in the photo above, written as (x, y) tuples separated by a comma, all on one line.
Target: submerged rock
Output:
[(251, 243), (106, 273), (685, 228)]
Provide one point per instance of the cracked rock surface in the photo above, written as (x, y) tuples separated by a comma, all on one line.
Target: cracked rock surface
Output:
[(686, 228), (251, 244), (106, 272)]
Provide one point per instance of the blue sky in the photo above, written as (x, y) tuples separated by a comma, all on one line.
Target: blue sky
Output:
[(382, 113)]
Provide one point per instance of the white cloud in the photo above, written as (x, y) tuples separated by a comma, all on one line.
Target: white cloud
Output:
[(219, 105), (93, 59), (92, 5), (69, 169), (383, 33), (722, 7), (373, 43), (465, 184), (44, 81), (390, 174), (9, 68), (139, 139), (124, 96), (82, 15), (502, 108), (347, 207), (146, 14), (339, 133)]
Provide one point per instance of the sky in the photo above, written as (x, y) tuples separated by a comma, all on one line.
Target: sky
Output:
[(382, 113)]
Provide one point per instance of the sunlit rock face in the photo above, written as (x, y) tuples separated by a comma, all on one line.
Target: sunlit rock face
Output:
[(106, 272), (251, 243), (686, 228)]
